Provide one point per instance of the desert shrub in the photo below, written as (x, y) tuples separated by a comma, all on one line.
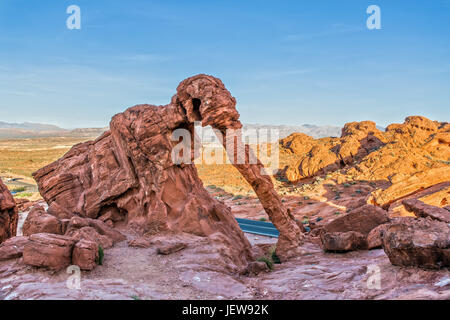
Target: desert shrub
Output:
[(18, 189), (267, 260), (23, 195), (262, 219), (274, 256), (100, 257)]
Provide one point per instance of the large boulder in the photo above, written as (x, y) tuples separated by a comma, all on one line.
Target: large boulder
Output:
[(9, 215), (418, 243), (343, 241), (85, 254), (93, 230), (50, 251), (90, 234), (39, 221), (12, 248), (350, 231)]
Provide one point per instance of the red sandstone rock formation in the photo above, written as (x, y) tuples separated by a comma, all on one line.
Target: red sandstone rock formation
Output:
[(128, 174), (418, 242), (39, 221), (49, 251), (85, 254), (8, 214), (425, 210), (366, 153), (350, 232), (12, 248)]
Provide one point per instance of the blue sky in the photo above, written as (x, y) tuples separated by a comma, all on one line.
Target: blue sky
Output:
[(286, 62)]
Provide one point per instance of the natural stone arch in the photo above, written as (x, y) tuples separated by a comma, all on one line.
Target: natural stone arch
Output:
[(128, 172)]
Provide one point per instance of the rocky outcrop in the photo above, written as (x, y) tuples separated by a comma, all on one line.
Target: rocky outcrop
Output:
[(404, 185), (128, 174), (424, 210), (9, 214), (418, 243), (350, 232), (366, 153)]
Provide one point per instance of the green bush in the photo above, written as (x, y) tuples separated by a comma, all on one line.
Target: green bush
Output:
[(18, 189), (23, 195), (274, 256), (100, 257), (268, 262)]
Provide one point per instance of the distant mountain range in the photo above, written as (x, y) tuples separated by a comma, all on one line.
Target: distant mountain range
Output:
[(36, 130), (309, 129), (39, 130), (28, 126)]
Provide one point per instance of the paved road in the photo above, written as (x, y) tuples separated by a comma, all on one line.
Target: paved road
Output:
[(19, 183), (258, 227)]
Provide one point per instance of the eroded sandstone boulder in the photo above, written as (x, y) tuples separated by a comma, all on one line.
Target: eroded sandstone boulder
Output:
[(424, 210), (90, 234), (53, 243), (85, 254), (128, 174), (375, 237), (418, 243), (12, 248), (24, 204), (47, 250), (39, 221), (350, 232), (343, 241), (9, 214)]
